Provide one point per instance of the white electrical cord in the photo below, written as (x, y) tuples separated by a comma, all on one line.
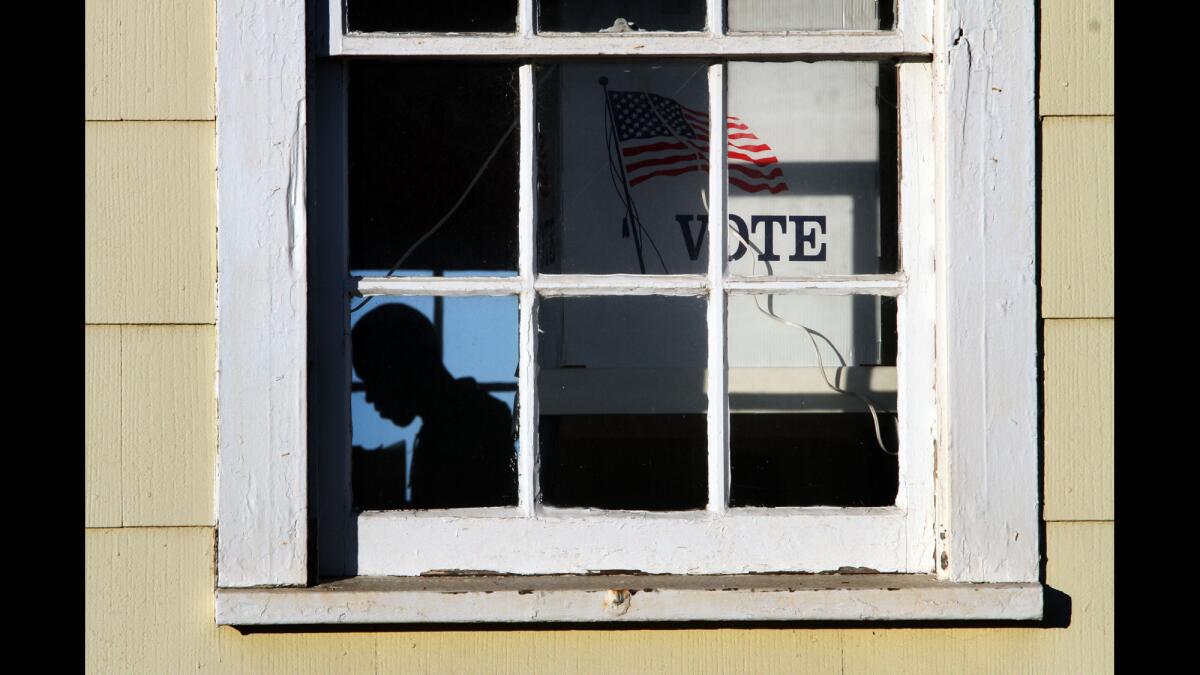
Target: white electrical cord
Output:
[(770, 313), (704, 201), (442, 221), (816, 349)]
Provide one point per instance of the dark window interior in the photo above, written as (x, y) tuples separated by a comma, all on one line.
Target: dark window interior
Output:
[(473, 16), (419, 133)]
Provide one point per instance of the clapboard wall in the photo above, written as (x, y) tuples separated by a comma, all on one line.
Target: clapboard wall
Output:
[(151, 418)]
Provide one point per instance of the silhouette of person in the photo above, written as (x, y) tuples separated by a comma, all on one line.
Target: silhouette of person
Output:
[(463, 455)]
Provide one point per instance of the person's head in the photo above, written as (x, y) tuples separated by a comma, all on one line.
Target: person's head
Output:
[(398, 355)]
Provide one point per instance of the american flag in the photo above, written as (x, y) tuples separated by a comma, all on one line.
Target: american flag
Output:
[(651, 148)]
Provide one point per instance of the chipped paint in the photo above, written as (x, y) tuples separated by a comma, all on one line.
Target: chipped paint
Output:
[(582, 598), (617, 602)]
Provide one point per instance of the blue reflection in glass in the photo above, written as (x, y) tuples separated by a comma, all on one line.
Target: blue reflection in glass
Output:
[(479, 340)]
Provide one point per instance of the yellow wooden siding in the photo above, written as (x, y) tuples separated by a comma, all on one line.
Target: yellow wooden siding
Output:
[(1078, 419), (1077, 217), (1076, 57), (151, 448), (150, 609), (151, 425), (168, 432), (150, 232), (146, 605), (1079, 563), (682, 651), (102, 445), (150, 60)]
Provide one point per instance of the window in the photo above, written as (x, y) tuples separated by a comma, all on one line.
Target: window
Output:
[(868, 328)]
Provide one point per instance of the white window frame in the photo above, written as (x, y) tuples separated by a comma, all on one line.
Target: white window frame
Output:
[(962, 538)]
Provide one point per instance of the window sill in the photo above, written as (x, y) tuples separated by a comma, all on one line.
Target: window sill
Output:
[(629, 598)]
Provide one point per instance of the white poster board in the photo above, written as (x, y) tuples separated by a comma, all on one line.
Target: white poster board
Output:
[(804, 144)]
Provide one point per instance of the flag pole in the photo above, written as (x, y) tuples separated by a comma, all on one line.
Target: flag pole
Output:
[(631, 220)]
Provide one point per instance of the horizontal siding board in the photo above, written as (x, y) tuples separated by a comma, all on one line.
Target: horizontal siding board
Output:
[(1077, 217), (149, 609), (150, 233), (1078, 419), (686, 652), (1079, 564), (1076, 57), (102, 413), (149, 60), (299, 653), (168, 411), (149, 604)]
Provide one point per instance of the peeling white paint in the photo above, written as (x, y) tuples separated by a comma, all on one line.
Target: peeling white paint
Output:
[(261, 290), (966, 197), (582, 599), (987, 343)]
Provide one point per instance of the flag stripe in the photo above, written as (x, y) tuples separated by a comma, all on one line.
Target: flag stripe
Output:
[(757, 187), (665, 172), (760, 161), (659, 161), (652, 147)]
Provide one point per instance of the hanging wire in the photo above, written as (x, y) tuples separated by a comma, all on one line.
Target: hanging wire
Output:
[(812, 336), (770, 312), (442, 221), (461, 198), (618, 178)]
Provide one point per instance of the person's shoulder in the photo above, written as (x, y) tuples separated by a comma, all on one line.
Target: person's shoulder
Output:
[(470, 390)]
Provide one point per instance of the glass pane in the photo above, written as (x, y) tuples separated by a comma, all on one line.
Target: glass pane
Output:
[(796, 437), (623, 168), (588, 16), (433, 168), (812, 168), (622, 402), (469, 16), (431, 403), (785, 15)]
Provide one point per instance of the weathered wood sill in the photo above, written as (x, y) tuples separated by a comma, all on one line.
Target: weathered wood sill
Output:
[(624, 598)]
